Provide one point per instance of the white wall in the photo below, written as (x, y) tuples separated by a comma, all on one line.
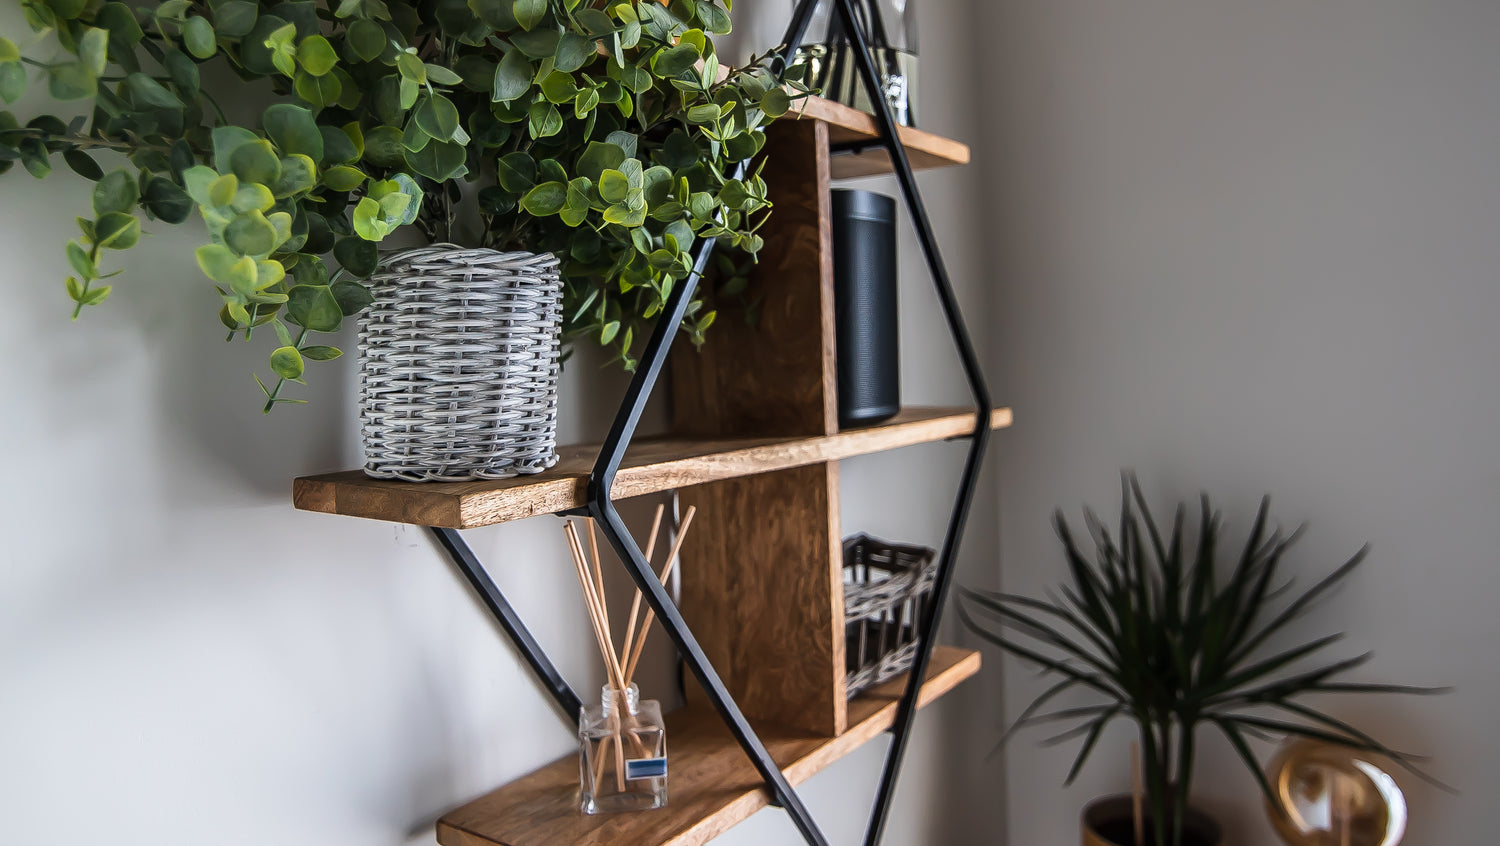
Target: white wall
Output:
[(1250, 247), (187, 659)]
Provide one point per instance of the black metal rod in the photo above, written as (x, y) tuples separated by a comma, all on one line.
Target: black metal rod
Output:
[(468, 563), (601, 479), (906, 710)]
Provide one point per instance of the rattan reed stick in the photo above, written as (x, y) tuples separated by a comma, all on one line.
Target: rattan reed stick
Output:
[(666, 573), (596, 617), (635, 604)]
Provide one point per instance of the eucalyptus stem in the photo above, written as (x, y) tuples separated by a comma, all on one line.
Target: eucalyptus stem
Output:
[(281, 380)]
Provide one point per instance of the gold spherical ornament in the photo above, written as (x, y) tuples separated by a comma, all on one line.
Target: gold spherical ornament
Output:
[(1328, 795)]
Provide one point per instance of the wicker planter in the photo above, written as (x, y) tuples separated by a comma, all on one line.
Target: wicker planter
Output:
[(458, 365), (887, 588)]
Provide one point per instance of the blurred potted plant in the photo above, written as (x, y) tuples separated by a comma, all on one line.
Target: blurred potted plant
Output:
[(606, 137), (1169, 633)]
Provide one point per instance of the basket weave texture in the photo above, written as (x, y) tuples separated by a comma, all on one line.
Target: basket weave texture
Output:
[(459, 356), (887, 593)]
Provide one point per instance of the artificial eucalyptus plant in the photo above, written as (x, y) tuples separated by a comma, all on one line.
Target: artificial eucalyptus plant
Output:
[(1171, 633), (605, 132)]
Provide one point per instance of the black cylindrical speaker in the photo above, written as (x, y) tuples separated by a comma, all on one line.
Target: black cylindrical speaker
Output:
[(864, 297)]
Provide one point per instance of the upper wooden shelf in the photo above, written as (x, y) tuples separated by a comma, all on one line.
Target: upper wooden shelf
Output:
[(651, 465), (847, 124), (711, 784)]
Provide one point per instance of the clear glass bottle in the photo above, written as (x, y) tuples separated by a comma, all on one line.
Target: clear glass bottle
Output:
[(891, 30), (622, 753)]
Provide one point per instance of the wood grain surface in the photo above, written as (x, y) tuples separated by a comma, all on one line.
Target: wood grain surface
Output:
[(652, 465), (711, 784), (846, 125), (774, 377), (763, 591)]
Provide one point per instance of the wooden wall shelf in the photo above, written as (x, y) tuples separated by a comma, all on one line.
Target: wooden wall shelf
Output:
[(652, 465), (711, 785), (849, 125)]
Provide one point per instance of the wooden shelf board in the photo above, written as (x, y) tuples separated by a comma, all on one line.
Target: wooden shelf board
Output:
[(653, 464), (847, 124), (711, 784)]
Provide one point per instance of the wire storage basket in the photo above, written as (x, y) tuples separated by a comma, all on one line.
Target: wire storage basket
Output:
[(887, 593), (459, 357)]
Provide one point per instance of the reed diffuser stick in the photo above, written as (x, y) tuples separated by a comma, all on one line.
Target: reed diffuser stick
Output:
[(589, 600), (666, 573), (1137, 795), (598, 613), (635, 604)]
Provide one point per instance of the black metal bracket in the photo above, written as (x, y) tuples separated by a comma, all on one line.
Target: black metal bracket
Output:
[(601, 507)]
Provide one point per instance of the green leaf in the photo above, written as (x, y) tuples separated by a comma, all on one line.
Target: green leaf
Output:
[(614, 186), (439, 160), (368, 222), (314, 307), (298, 174), (316, 55), (256, 162), (74, 81), (319, 91), (437, 116), (352, 297), (559, 87), (286, 362), (146, 92), (676, 60), (252, 197), (83, 164), (356, 255), (321, 353), (116, 192), (512, 77), (516, 172), (573, 51), (222, 191), (78, 257), (609, 331), (775, 103), (251, 234), (117, 231), (97, 295), (198, 37), (93, 50), (545, 120), (235, 18), (714, 19), (529, 13), (343, 178), (545, 199), (540, 44), (294, 130), (8, 50), (595, 21), (167, 201), (366, 38), (12, 81), (598, 157)]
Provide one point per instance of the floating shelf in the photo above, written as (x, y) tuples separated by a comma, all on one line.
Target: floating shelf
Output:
[(847, 125), (712, 785), (652, 465)]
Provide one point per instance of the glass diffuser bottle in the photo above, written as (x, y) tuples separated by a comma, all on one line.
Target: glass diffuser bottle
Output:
[(890, 28), (622, 753)]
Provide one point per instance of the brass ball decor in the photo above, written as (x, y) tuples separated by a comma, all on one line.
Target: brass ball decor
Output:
[(1332, 795)]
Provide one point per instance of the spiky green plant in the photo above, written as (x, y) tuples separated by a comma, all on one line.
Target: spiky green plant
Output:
[(1167, 635)]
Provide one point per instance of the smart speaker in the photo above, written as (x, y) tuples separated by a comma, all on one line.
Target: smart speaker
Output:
[(864, 296)]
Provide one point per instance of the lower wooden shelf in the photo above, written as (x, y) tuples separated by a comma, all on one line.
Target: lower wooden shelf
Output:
[(711, 787)]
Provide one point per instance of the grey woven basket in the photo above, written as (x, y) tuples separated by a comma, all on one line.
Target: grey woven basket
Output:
[(887, 591), (458, 364)]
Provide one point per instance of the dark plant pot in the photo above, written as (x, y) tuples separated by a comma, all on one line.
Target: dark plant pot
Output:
[(1109, 822)]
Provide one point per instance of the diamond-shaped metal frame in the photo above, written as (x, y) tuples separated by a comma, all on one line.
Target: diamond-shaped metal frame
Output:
[(601, 480)]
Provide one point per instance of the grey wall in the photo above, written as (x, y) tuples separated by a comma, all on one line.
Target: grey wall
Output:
[(1251, 247)]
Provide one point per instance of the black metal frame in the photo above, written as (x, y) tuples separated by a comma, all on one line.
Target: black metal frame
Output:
[(601, 480)]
